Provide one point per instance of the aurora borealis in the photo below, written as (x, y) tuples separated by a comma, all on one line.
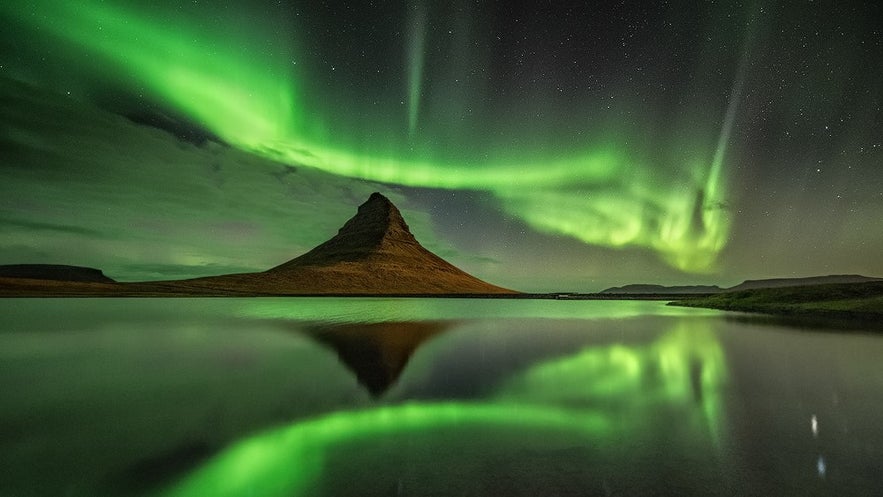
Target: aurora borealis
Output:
[(543, 148)]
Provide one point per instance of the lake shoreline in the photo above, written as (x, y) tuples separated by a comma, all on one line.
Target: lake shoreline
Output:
[(31, 288), (852, 303)]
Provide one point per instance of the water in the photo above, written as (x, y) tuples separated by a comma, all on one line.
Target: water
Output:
[(187, 397)]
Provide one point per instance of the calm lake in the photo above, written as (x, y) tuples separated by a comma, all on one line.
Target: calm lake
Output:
[(430, 397)]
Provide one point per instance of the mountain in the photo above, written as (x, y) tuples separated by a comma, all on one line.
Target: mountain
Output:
[(812, 280), (53, 272), (662, 290), (373, 253)]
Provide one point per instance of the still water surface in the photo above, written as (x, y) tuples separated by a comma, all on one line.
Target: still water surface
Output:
[(389, 397)]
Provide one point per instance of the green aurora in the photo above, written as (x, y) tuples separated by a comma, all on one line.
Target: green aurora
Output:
[(599, 192), (543, 148)]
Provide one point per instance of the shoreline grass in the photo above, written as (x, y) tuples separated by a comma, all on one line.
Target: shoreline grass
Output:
[(853, 301)]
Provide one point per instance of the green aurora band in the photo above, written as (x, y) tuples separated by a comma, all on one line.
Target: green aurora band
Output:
[(625, 385), (289, 461), (221, 79)]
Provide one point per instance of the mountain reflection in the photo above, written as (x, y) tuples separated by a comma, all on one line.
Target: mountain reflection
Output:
[(606, 410), (377, 352)]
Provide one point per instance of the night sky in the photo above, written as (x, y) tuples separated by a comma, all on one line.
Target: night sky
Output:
[(542, 146)]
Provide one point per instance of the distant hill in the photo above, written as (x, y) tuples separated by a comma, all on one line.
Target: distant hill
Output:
[(54, 272), (812, 280), (663, 290)]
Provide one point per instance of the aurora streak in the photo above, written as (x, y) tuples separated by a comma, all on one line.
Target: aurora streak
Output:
[(600, 192), (416, 49)]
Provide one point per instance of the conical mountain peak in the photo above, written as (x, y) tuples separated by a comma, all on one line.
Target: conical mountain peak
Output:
[(377, 228), (377, 219), (373, 253)]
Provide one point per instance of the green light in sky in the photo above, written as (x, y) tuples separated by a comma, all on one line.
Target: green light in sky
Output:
[(599, 193), (240, 93), (629, 215)]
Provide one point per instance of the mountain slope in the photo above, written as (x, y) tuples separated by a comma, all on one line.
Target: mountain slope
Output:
[(373, 253)]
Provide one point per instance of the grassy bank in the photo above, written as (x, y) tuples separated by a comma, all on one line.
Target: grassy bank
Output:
[(860, 301)]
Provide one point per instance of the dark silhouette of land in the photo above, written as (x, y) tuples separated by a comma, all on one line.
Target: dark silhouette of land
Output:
[(54, 272), (648, 289), (809, 281)]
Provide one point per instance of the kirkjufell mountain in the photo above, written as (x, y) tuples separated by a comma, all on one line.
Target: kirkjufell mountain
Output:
[(373, 253)]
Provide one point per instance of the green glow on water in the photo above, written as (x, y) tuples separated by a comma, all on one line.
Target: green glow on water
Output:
[(685, 366), (594, 396), (287, 462), (367, 310), (602, 191)]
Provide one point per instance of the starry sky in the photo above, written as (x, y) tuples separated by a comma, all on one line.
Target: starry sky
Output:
[(542, 146)]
